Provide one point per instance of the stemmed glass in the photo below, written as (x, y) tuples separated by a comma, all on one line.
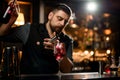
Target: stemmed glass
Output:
[(59, 53)]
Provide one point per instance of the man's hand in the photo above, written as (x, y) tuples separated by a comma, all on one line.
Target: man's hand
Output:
[(48, 44), (4, 28), (14, 14)]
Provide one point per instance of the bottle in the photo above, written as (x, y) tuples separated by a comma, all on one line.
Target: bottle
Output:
[(113, 67), (8, 12), (15, 60), (107, 67), (101, 67), (118, 65), (7, 62)]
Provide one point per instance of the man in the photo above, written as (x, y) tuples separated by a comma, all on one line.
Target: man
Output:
[(38, 56)]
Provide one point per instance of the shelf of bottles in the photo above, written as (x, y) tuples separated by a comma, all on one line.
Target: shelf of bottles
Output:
[(92, 38)]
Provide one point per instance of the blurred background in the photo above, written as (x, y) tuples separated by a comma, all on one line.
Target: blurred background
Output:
[(94, 27)]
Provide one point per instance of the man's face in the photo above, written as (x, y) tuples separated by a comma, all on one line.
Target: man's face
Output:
[(58, 20)]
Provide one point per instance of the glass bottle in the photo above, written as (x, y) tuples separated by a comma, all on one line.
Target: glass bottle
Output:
[(113, 67), (107, 67), (118, 66), (8, 12), (15, 60), (7, 62)]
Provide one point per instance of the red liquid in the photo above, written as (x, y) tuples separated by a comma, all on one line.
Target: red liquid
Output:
[(59, 51), (58, 56), (107, 70)]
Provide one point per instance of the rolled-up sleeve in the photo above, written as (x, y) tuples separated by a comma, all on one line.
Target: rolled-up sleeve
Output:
[(17, 34), (23, 32)]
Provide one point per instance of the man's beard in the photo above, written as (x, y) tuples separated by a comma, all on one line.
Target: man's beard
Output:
[(53, 29)]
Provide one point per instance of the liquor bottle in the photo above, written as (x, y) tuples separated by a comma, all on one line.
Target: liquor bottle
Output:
[(118, 66), (8, 12), (15, 60), (7, 62), (107, 67), (113, 67), (101, 67)]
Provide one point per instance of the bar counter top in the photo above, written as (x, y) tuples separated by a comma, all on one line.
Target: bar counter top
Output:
[(65, 76), (68, 76)]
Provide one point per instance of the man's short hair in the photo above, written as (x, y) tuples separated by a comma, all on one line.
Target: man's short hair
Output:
[(64, 7)]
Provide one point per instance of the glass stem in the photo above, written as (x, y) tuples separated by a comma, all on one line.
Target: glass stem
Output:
[(59, 72)]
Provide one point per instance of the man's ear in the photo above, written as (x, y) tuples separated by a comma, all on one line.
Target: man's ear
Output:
[(50, 15)]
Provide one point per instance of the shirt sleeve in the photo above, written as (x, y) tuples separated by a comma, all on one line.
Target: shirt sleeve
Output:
[(17, 34), (22, 32)]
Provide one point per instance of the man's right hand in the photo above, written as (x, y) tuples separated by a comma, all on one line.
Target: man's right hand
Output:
[(14, 14), (5, 27)]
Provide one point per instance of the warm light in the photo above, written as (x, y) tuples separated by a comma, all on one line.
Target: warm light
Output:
[(108, 51), (74, 25), (86, 52), (107, 38), (106, 15), (20, 20), (86, 30), (95, 28), (20, 55), (91, 6), (91, 32), (92, 52), (107, 31), (73, 21)]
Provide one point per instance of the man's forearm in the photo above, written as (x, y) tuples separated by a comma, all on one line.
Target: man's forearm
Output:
[(4, 28)]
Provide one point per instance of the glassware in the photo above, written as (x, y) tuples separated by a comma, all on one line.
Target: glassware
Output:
[(101, 67), (113, 67), (8, 11), (119, 66), (7, 62), (59, 52), (107, 67)]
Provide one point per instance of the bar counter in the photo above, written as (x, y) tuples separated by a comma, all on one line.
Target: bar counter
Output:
[(67, 76)]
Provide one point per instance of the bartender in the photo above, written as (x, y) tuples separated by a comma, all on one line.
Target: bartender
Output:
[(38, 50)]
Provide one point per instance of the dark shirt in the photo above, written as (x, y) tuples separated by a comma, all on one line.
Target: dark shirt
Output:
[(35, 58)]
